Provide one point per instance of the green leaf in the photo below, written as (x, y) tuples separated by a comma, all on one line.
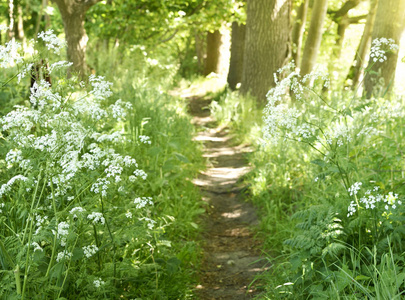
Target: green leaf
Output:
[(181, 157), (318, 162), (362, 277)]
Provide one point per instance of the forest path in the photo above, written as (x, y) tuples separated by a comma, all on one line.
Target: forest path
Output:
[(231, 253)]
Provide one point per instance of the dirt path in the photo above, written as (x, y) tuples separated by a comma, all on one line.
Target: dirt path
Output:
[(231, 254)]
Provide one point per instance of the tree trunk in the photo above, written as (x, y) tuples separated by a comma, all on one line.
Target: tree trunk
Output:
[(200, 49), (298, 31), (314, 36), (237, 51), (341, 30), (11, 20), (218, 52), (356, 70), (389, 23), (266, 46), (19, 29), (213, 52), (73, 15)]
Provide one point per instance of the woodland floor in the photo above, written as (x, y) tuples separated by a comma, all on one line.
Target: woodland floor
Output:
[(231, 252)]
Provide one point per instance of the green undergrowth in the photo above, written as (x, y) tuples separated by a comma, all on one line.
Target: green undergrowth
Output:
[(329, 184), (172, 160), (96, 198)]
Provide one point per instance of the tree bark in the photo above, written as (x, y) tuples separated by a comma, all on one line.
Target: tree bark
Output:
[(237, 52), (19, 29), (298, 31), (356, 69), (218, 52), (214, 43), (200, 49), (314, 36), (267, 45), (73, 14), (389, 23), (11, 20)]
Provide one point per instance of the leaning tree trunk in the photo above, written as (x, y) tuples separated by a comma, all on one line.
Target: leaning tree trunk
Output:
[(314, 38), (237, 51), (73, 15), (389, 23), (266, 45), (298, 31), (356, 69)]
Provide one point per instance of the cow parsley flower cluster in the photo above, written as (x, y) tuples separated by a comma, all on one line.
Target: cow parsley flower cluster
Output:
[(61, 161), (96, 217), (379, 48), (37, 247), (9, 54), (98, 282), (6, 188), (145, 139), (63, 255), (371, 199), (141, 202), (281, 118), (354, 188), (76, 210), (52, 42), (89, 251), (24, 72), (63, 231), (101, 87)]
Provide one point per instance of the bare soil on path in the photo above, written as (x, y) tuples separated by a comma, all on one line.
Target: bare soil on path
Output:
[(231, 253)]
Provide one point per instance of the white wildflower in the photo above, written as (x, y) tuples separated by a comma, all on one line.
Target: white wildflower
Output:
[(63, 255), (144, 139), (101, 88), (52, 42), (98, 282), (76, 210), (96, 217), (5, 188), (379, 48), (351, 209), (89, 251), (59, 65), (141, 202), (24, 72), (354, 188), (140, 173), (119, 109), (128, 215), (37, 247), (63, 231), (150, 223), (9, 55)]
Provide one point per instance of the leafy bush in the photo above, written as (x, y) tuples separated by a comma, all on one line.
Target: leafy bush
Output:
[(80, 216)]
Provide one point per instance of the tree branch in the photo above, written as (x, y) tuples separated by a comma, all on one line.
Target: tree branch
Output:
[(357, 19), (344, 10)]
